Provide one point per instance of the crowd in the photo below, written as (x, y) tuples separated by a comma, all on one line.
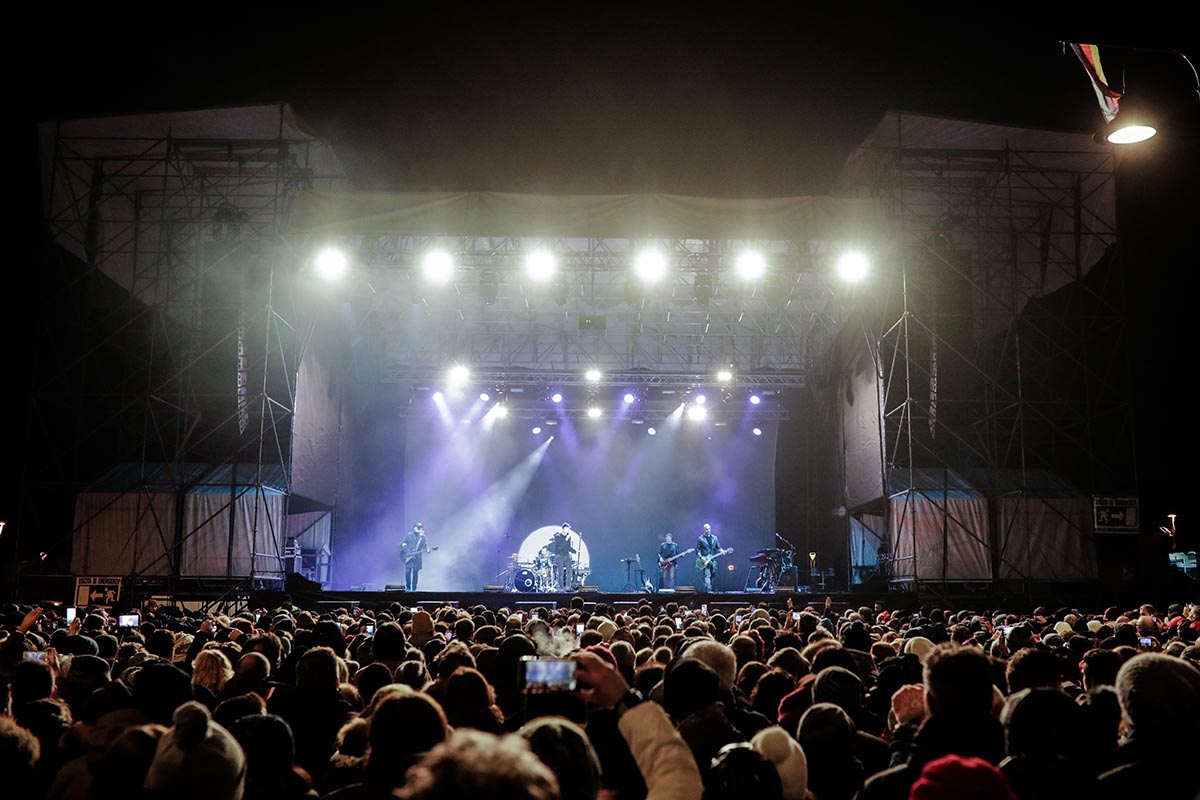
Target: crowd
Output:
[(664, 701)]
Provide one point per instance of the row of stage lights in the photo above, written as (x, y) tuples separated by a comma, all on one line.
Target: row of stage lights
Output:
[(650, 266), (695, 409)]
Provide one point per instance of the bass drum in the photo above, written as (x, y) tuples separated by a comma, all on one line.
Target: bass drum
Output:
[(525, 580)]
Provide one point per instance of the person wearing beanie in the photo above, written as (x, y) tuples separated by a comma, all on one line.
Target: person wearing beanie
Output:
[(422, 629), (1159, 697), (197, 758), (918, 646), (958, 778), (829, 740), (787, 755), (564, 747), (607, 628), (270, 758), (740, 771)]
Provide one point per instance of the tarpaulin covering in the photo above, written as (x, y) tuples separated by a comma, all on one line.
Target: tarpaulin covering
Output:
[(867, 535), (123, 533), (616, 216), (938, 527), (859, 427)]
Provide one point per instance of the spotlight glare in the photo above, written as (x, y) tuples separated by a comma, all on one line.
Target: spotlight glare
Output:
[(500, 410), (556, 397), (1131, 134), (593, 375), (437, 266), (696, 413), (331, 264), (629, 398), (651, 431), (853, 267), (540, 265), (593, 412), (438, 396), (755, 399), (701, 399), (650, 266), (757, 431), (537, 430), (459, 375), (484, 396), (751, 265), (724, 376)]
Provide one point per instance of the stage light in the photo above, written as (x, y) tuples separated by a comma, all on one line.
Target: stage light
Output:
[(537, 430), (592, 375), (701, 399), (702, 288), (438, 396), (651, 431), (437, 266), (696, 413), (853, 267), (650, 266), (331, 264), (757, 431), (484, 396), (751, 265), (501, 410), (459, 375), (629, 398), (724, 376), (556, 397), (755, 399), (1134, 123), (594, 412), (540, 265)]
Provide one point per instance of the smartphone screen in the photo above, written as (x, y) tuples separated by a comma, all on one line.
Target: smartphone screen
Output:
[(1146, 641), (127, 621), (737, 618), (71, 611), (679, 623), (35, 655), (534, 615), (369, 630), (579, 627), (704, 609), (449, 635), (540, 675), (796, 615), (1007, 629)]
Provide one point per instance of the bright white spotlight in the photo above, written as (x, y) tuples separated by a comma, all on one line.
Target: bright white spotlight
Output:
[(593, 375), (724, 376), (1131, 134), (594, 412), (331, 264), (650, 266), (757, 431), (500, 410), (537, 430), (629, 398), (751, 265), (755, 399), (438, 396), (458, 377), (540, 265), (651, 431), (696, 413), (853, 266), (701, 399), (556, 397), (437, 266)]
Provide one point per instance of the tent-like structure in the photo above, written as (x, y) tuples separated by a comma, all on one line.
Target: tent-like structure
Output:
[(938, 527)]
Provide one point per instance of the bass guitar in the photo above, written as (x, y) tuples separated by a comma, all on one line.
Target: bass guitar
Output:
[(703, 562), (666, 562), (408, 558)]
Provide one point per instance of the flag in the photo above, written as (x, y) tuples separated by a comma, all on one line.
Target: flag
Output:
[(1089, 56)]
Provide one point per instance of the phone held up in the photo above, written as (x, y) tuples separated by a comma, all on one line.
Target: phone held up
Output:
[(544, 675)]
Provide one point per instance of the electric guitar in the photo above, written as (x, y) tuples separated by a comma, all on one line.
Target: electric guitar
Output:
[(408, 558), (703, 562), (665, 562)]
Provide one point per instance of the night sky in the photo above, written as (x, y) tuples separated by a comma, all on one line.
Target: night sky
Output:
[(730, 100)]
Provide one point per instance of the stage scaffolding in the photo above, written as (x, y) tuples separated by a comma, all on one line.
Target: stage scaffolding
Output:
[(181, 369), (999, 341)]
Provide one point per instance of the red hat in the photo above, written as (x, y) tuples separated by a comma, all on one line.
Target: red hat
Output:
[(959, 778)]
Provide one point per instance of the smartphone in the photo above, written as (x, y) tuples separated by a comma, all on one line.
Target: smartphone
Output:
[(579, 628), (35, 655), (449, 635), (534, 615), (1146, 641), (541, 675), (704, 609), (127, 621), (1007, 629), (679, 623), (737, 618), (71, 611), (369, 629), (796, 615), (257, 617)]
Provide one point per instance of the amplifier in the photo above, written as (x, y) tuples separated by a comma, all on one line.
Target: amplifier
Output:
[(589, 589), (492, 588), (394, 588)]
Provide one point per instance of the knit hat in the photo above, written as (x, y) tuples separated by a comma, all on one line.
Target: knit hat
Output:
[(1020, 636), (607, 628), (839, 686), (1094, 625), (197, 758), (956, 777), (1062, 628), (788, 757), (563, 747), (1159, 696), (919, 646)]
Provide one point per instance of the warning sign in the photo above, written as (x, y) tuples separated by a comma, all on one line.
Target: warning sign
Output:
[(96, 591)]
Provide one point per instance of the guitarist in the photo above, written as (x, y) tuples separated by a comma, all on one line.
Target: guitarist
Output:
[(412, 546), (668, 551), (708, 545)]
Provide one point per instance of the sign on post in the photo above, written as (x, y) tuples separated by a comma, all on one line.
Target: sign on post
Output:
[(1115, 514), (91, 590)]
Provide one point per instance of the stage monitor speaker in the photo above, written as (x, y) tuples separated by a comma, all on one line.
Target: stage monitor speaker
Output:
[(491, 588), (358, 588), (394, 588), (583, 589)]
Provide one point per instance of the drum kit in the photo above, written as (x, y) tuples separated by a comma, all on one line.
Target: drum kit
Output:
[(540, 575), (772, 564)]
